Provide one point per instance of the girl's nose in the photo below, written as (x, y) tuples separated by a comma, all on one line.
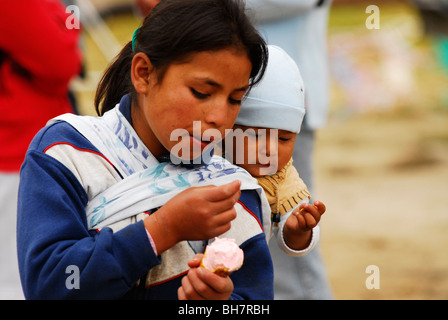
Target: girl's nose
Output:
[(217, 114)]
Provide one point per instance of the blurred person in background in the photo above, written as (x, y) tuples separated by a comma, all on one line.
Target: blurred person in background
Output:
[(300, 28), (39, 55)]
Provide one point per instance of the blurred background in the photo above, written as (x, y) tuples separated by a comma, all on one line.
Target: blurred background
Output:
[(382, 160)]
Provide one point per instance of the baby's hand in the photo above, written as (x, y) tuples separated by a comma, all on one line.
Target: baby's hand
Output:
[(305, 217)]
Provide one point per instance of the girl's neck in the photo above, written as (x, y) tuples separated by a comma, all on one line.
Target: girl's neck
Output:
[(144, 131)]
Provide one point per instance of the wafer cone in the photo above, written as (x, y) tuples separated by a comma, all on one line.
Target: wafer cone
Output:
[(220, 271)]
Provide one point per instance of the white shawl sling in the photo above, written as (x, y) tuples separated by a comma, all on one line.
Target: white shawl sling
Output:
[(147, 184)]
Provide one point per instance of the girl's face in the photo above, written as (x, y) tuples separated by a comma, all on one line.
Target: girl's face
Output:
[(265, 150), (207, 89)]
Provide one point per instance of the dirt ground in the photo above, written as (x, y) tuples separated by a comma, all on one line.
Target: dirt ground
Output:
[(382, 161), (384, 181)]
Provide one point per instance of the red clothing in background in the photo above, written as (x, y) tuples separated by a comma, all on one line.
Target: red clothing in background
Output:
[(39, 55)]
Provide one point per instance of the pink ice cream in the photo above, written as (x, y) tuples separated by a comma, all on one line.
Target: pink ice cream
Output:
[(223, 256)]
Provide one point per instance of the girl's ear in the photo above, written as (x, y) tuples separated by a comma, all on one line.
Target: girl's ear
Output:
[(140, 71)]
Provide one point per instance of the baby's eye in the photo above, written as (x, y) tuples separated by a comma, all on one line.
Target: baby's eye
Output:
[(199, 95), (252, 133), (284, 139)]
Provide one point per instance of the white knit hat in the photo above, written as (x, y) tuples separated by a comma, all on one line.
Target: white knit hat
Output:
[(278, 100)]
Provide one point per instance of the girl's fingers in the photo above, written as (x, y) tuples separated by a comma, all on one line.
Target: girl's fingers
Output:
[(222, 221), (223, 192), (226, 204), (187, 290), (196, 260), (213, 285)]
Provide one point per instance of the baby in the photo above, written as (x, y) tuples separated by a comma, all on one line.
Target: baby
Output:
[(266, 128)]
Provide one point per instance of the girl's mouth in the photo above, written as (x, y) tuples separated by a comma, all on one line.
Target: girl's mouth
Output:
[(201, 143)]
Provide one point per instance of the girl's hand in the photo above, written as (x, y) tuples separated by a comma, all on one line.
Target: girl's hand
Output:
[(198, 213), (202, 284), (201, 213)]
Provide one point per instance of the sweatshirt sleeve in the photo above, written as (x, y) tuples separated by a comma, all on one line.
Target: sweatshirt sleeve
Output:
[(59, 258), (35, 35)]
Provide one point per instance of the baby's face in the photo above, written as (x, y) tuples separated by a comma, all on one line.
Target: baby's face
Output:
[(265, 150)]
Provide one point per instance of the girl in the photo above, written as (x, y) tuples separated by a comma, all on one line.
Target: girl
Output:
[(103, 213)]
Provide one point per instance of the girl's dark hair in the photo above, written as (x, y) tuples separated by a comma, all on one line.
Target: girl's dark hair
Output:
[(177, 28)]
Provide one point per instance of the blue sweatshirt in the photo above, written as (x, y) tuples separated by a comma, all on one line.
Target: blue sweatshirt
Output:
[(59, 258)]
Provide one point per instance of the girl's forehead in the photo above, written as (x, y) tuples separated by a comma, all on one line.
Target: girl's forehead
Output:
[(216, 68), (213, 54), (226, 57)]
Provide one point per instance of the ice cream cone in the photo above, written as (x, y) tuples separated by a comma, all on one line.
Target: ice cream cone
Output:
[(223, 257)]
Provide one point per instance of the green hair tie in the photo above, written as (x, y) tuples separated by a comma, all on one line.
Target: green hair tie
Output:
[(134, 38)]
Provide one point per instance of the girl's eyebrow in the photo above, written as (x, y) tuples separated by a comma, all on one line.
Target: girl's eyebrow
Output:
[(213, 83)]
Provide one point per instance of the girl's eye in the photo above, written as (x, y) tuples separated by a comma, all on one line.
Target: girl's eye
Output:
[(235, 102), (284, 139), (199, 95)]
